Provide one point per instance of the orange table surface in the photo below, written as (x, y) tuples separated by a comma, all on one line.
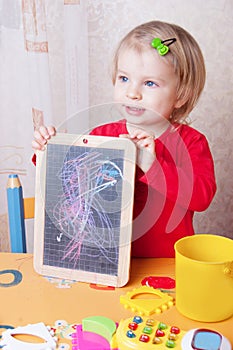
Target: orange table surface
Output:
[(38, 299)]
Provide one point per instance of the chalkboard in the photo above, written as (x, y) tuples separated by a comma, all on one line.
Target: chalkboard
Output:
[(83, 208)]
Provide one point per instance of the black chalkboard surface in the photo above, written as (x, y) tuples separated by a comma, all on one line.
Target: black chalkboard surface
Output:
[(83, 208)]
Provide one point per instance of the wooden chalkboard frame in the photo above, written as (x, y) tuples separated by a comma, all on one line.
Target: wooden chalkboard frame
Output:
[(87, 142)]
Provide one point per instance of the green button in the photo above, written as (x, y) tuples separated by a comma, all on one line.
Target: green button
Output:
[(170, 344), (162, 326), (147, 330)]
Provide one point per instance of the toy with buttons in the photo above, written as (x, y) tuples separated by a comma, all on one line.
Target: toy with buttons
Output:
[(142, 332)]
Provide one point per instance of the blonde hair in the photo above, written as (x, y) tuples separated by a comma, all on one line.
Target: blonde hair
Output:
[(184, 54)]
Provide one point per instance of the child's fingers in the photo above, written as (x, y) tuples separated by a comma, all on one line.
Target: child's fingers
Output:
[(46, 132), (51, 130), (140, 134), (146, 143), (41, 136), (37, 146), (126, 136)]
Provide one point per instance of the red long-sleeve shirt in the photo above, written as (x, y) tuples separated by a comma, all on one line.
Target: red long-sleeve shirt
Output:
[(180, 181)]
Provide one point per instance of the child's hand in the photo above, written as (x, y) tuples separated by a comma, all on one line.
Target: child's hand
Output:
[(41, 137), (145, 148)]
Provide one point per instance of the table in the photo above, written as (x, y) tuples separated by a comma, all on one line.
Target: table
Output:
[(40, 299)]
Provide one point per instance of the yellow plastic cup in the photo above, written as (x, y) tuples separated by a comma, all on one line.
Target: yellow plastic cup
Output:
[(204, 277)]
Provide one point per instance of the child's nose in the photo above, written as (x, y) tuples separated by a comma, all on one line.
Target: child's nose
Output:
[(134, 93)]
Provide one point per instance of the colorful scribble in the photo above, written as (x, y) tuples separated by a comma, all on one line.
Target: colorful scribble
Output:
[(82, 212)]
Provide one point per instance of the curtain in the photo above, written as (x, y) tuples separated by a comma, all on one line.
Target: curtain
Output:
[(43, 80)]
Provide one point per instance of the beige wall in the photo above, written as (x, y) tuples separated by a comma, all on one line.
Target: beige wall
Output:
[(210, 22)]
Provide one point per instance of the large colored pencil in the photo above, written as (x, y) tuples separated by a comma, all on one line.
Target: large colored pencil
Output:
[(16, 214)]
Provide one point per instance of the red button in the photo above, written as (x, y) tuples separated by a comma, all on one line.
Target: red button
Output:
[(159, 333), (144, 338), (133, 326), (175, 330)]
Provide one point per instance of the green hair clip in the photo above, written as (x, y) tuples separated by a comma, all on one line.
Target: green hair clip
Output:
[(158, 44)]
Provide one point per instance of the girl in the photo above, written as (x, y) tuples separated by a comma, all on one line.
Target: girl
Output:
[(158, 75)]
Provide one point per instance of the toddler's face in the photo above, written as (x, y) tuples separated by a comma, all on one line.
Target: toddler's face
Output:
[(145, 87)]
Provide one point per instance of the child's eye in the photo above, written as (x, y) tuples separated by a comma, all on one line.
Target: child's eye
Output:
[(123, 78), (150, 83)]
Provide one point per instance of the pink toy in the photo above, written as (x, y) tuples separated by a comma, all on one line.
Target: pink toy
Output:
[(83, 340), (95, 332)]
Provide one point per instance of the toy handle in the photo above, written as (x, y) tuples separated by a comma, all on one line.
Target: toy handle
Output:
[(228, 269)]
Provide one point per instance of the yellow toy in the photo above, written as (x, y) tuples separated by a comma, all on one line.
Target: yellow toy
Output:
[(142, 333), (137, 300)]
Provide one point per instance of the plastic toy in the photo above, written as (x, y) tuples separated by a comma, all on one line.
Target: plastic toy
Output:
[(142, 333), (39, 330), (137, 301), (88, 340), (159, 282), (204, 339), (96, 332), (207, 296)]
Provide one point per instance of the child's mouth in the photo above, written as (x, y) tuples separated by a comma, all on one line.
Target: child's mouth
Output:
[(134, 110)]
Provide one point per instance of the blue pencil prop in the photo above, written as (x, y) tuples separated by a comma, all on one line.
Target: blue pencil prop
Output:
[(16, 214)]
